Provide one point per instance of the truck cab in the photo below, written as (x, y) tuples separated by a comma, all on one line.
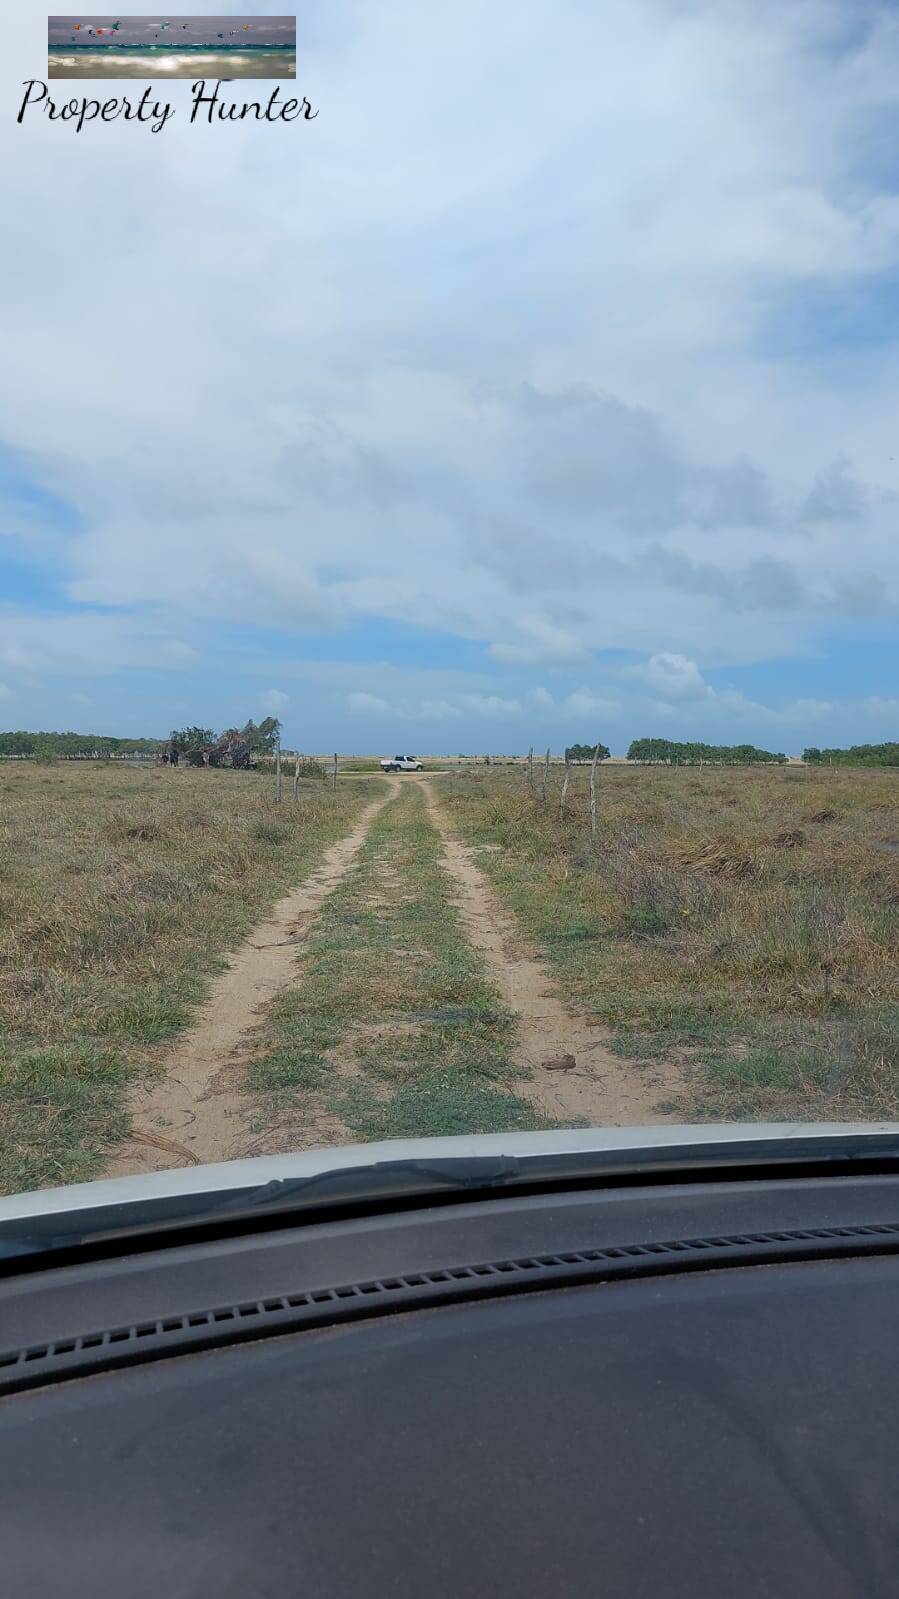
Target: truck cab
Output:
[(400, 763)]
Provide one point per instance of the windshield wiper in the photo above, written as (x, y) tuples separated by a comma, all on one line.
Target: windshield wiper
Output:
[(149, 1222), (373, 1185)]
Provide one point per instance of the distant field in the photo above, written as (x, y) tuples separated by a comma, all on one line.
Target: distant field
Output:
[(741, 923), (120, 890)]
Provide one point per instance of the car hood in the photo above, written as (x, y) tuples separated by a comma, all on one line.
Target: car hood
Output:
[(613, 1148)]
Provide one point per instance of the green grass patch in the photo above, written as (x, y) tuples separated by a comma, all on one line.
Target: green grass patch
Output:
[(61, 1112), (435, 1105), (393, 1026)]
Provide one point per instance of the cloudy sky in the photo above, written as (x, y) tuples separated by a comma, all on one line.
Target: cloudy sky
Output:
[(543, 387)]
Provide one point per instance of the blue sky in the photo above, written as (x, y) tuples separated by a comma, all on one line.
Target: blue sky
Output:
[(543, 388)]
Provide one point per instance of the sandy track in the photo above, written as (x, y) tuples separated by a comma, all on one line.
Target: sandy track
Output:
[(193, 1113), (571, 1070)]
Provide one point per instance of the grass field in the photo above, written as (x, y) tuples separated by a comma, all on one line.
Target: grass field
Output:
[(742, 923), (120, 890), (393, 1029)]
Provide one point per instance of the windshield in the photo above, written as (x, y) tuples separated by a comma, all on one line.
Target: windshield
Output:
[(517, 380)]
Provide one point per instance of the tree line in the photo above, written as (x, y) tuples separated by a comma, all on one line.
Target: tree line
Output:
[(669, 752), (195, 746), (73, 745), (855, 755)]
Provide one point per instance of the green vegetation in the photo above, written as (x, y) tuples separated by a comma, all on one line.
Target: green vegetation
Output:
[(856, 755), (121, 889), (85, 745), (742, 925), (235, 747), (585, 752), (392, 1029), (667, 752)]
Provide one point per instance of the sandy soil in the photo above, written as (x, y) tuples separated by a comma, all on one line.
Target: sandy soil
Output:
[(193, 1113), (571, 1070)]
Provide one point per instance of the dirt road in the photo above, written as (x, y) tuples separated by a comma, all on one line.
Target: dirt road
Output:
[(196, 1111), (192, 1114), (571, 1070)]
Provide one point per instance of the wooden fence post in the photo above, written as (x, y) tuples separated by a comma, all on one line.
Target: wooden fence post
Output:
[(334, 778), (279, 794), (565, 781), (296, 778), (545, 779), (531, 768), (593, 793)]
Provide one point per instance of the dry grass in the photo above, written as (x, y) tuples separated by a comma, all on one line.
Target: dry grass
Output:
[(121, 889), (746, 920)]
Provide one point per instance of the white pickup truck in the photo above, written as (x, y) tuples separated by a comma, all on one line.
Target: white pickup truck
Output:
[(400, 763)]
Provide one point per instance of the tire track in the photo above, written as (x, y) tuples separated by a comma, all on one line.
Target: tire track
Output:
[(193, 1113), (571, 1070)]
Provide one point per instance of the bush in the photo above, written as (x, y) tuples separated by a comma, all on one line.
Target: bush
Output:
[(271, 833), (584, 752)]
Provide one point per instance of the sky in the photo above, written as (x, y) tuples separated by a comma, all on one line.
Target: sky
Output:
[(542, 388), (181, 28)]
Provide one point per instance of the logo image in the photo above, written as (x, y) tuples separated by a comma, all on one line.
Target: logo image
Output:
[(173, 47)]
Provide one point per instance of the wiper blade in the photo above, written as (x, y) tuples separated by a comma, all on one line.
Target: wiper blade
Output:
[(129, 1225), (374, 1184), (384, 1177)]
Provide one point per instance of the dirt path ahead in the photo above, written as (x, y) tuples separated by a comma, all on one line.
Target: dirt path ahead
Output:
[(572, 1072), (192, 1114)]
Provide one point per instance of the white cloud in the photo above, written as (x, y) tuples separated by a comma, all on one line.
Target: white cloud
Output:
[(584, 703), (274, 700), (460, 401), (674, 677), (89, 642), (433, 709), (362, 704), (836, 495), (883, 709), (5, 692), (178, 652), (801, 711), (579, 702), (540, 643), (492, 705), (437, 711)]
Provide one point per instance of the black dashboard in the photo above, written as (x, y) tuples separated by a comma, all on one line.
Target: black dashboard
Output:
[(670, 1388)]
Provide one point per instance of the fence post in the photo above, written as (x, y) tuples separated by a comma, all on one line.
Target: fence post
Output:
[(593, 793), (296, 778), (545, 779), (531, 768), (565, 781), (279, 795), (334, 778)]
